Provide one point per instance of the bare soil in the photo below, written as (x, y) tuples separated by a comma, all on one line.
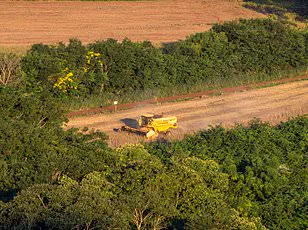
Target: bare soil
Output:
[(272, 104), (183, 96), (23, 23)]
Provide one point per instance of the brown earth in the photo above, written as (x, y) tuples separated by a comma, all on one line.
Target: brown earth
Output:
[(272, 104), (188, 96), (23, 23)]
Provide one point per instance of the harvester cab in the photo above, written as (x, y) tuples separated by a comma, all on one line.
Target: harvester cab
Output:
[(146, 119)]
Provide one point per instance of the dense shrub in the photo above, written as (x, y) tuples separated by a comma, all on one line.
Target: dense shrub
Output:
[(70, 69), (138, 192), (248, 46), (202, 57), (43, 60), (245, 47), (266, 166), (131, 66), (34, 148), (264, 45), (243, 178)]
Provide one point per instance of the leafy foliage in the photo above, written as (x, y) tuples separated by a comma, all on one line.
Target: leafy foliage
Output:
[(245, 47), (139, 191), (131, 65), (251, 177), (52, 67), (33, 146), (244, 178), (267, 167)]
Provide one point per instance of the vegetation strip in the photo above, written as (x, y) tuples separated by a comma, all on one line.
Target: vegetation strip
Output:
[(233, 53), (241, 178), (181, 97)]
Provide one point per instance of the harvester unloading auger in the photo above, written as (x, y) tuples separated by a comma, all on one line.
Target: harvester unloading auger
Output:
[(150, 125)]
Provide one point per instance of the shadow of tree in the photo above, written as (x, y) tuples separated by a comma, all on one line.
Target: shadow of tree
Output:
[(8, 195), (279, 7)]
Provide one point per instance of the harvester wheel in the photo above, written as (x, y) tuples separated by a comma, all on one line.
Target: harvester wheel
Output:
[(151, 134), (166, 133)]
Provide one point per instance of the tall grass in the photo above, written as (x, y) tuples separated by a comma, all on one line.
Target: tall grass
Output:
[(18, 50)]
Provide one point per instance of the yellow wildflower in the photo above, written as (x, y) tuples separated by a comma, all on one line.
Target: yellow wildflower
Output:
[(70, 74)]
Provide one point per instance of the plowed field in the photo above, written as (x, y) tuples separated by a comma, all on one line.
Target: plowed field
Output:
[(272, 104), (23, 23)]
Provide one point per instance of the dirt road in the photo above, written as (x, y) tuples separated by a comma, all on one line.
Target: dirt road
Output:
[(23, 23), (272, 104)]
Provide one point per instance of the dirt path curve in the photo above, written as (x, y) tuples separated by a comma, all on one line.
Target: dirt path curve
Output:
[(272, 104), (24, 23)]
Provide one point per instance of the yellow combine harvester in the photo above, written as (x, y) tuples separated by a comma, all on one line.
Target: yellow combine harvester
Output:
[(150, 125)]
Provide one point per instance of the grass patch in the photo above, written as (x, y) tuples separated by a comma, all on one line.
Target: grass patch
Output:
[(18, 50)]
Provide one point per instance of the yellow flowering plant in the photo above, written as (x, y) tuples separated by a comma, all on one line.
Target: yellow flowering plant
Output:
[(67, 83), (92, 59), (88, 77)]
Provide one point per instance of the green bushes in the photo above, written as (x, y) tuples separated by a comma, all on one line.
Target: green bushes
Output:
[(264, 45), (250, 46), (266, 167), (131, 66), (138, 191), (246, 48), (34, 148), (64, 70), (245, 178)]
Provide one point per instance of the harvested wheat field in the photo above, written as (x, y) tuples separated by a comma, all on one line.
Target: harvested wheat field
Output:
[(23, 23), (272, 104)]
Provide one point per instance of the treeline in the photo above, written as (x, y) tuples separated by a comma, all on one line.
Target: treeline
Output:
[(245, 51), (251, 177)]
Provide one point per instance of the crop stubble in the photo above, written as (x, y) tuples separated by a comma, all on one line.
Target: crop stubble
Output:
[(24, 23)]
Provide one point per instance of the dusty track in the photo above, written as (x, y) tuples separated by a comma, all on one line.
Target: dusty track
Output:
[(23, 23), (272, 104), (188, 96)]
